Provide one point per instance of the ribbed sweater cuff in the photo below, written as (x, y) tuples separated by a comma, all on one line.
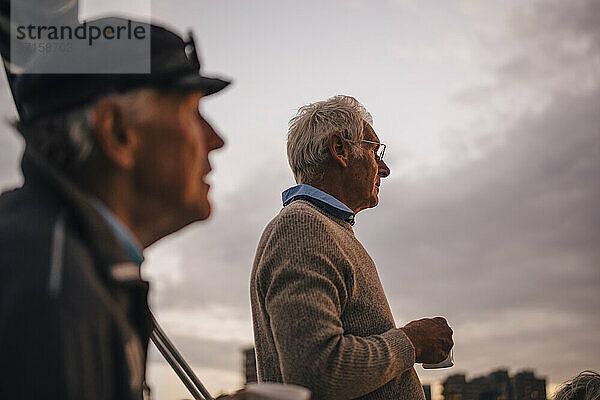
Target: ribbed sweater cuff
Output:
[(402, 348)]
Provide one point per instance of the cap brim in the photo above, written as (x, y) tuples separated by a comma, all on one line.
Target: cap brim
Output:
[(205, 84)]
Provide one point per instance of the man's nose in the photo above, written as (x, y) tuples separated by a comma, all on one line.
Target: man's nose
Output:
[(214, 140), (382, 169)]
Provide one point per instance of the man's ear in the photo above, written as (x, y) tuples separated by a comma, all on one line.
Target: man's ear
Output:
[(339, 149), (117, 142)]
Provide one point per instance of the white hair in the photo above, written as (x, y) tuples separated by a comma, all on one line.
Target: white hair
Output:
[(309, 130), (585, 386), (66, 139)]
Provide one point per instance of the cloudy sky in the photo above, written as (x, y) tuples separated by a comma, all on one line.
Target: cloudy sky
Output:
[(491, 114)]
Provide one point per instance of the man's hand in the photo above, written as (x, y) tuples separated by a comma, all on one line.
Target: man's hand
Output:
[(431, 337)]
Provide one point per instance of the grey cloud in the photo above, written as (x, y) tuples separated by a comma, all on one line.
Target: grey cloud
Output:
[(554, 48), (525, 210), (558, 18), (211, 354), (516, 230)]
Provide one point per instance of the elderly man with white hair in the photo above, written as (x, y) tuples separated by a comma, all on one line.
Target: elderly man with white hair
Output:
[(585, 386), (321, 317)]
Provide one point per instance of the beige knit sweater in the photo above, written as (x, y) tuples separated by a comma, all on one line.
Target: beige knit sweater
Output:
[(321, 318)]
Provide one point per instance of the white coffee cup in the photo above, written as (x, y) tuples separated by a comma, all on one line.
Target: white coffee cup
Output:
[(276, 391)]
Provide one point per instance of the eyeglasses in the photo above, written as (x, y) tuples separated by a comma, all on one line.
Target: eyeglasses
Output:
[(379, 151)]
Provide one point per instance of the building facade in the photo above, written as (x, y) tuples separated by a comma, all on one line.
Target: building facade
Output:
[(249, 365), (498, 385)]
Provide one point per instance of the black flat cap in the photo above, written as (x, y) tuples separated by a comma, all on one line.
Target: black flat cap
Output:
[(168, 61)]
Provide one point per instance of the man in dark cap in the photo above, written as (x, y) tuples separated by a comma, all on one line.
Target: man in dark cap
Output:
[(113, 162)]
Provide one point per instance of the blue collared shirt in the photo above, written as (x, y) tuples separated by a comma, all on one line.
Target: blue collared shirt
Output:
[(122, 233), (319, 198)]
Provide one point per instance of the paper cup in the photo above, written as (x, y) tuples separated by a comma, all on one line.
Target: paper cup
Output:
[(276, 391)]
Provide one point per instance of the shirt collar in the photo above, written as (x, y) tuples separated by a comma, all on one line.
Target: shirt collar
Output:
[(125, 237), (319, 198)]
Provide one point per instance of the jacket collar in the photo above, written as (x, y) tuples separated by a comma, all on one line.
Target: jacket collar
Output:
[(95, 230)]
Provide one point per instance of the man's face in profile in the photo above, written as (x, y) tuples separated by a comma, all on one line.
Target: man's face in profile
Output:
[(367, 171), (173, 155)]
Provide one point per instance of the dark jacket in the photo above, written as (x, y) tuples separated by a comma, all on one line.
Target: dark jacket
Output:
[(74, 318)]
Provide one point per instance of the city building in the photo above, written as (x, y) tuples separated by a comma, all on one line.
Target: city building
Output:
[(527, 386), (249, 365), (427, 390), (498, 385)]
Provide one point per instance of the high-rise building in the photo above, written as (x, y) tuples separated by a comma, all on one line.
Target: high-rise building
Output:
[(249, 365), (454, 387), (528, 387), (427, 391), (495, 386)]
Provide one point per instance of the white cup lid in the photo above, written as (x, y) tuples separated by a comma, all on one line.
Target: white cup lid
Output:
[(276, 391)]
